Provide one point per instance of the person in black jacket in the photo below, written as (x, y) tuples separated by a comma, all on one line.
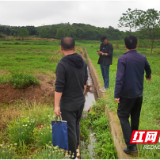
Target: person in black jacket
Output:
[(105, 60), (71, 78), (129, 89)]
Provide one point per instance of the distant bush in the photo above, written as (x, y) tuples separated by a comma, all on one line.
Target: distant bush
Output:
[(143, 43), (116, 45), (23, 32), (23, 80), (17, 43), (2, 36)]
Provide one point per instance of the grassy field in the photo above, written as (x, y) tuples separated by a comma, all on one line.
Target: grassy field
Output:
[(150, 114), (27, 132), (29, 56), (21, 60), (25, 128)]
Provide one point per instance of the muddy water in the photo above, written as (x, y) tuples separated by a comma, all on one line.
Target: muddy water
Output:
[(90, 99)]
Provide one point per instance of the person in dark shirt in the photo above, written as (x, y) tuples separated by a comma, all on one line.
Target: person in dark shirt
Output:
[(71, 78), (129, 89), (105, 60)]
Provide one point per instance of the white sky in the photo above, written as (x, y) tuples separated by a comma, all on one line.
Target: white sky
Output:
[(97, 13)]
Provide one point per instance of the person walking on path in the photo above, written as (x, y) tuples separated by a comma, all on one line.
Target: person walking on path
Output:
[(105, 60), (71, 78), (129, 89)]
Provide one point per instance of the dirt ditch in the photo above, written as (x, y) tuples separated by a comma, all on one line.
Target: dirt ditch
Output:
[(43, 93), (10, 96)]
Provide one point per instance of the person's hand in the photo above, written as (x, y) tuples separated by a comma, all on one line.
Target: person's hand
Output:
[(57, 111), (148, 79), (98, 52), (117, 100)]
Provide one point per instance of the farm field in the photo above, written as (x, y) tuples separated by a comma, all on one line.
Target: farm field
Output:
[(25, 128), (27, 76), (24, 62), (150, 113)]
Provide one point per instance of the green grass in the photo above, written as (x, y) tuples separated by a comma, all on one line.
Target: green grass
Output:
[(150, 113), (7, 151), (21, 130), (43, 135), (21, 60), (28, 56), (19, 80)]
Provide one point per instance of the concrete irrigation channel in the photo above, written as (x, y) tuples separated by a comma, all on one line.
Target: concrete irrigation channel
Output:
[(115, 128)]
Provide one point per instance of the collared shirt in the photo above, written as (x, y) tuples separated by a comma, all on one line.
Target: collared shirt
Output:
[(106, 48), (130, 74)]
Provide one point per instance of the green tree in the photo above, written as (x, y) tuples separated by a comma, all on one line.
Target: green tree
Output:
[(52, 31), (23, 32), (146, 23), (149, 25), (60, 33), (31, 30), (130, 19), (72, 33), (43, 32), (80, 33)]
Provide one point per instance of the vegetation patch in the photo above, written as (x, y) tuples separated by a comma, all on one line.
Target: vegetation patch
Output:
[(23, 80), (19, 80), (30, 136), (98, 123), (21, 130)]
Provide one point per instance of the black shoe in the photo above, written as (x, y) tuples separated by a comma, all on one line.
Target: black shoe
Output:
[(130, 150)]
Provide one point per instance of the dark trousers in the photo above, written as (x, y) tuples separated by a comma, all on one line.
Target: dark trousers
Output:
[(105, 74), (73, 119), (129, 107)]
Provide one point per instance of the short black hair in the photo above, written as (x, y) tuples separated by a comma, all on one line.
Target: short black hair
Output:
[(103, 38), (130, 42), (67, 43)]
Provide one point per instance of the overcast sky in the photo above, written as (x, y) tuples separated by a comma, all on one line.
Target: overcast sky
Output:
[(97, 13)]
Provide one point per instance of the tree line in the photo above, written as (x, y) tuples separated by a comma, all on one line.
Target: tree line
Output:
[(78, 31), (143, 24)]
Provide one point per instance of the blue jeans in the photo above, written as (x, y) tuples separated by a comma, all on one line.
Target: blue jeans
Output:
[(105, 75)]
